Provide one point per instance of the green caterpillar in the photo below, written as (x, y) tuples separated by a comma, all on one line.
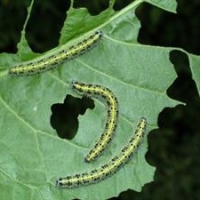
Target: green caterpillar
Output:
[(112, 111), (40, 65)]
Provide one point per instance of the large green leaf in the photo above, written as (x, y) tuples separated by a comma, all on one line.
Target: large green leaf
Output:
[(32, 156)]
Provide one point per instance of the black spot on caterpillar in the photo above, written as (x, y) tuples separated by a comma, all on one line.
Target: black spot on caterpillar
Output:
[(111, 167), (112, 112), (40, 65)]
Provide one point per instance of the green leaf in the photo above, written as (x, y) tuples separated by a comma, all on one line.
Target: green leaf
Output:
[(32, 156), (194, 64), (169, 5)]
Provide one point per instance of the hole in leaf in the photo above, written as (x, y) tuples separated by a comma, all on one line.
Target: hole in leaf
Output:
[(121, 4), (183, 84), (94, 7), (64, 118)]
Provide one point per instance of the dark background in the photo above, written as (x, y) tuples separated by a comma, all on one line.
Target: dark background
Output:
[(174, 148)]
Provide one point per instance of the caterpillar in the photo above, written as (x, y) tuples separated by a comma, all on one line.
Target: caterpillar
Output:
[(43, 64), (111, 167), (112, 113)]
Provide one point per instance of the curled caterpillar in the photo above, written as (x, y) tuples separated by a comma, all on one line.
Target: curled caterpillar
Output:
[(106, 95), (111, 167), (43, 64)]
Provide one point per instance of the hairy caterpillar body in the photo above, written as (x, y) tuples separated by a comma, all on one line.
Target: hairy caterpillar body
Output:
[(107, 95), (111, 167), (40, 65)]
